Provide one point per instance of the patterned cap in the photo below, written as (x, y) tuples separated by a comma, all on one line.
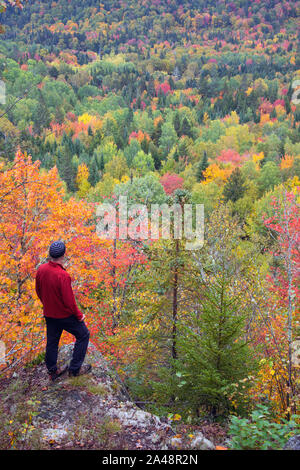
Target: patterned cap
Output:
[(57, 249)]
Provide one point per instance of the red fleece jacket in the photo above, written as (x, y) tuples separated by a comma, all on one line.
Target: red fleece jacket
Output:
[(54, 289)]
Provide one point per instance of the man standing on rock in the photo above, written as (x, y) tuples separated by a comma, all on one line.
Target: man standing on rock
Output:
[(54, 289)]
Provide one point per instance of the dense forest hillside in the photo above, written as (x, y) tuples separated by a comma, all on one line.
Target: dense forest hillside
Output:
[(210, 58), (110, 25), (165, 102)]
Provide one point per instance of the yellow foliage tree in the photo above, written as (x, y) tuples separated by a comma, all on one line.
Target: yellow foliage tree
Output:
[(82, 180), (257, 157), (214, 172), (286, 162)]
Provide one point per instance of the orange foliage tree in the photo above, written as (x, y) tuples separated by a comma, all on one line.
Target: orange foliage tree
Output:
[(34, 213)]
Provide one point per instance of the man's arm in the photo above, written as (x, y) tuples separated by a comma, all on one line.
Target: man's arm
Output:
[(68, 297), (37, 286)]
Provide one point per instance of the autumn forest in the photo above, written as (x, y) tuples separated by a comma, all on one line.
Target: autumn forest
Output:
[(164, 102)]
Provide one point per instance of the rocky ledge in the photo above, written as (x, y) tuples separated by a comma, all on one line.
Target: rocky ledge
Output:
[(92, 411)]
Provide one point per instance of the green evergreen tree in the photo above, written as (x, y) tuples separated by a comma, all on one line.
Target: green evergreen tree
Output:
[(216, 358), (156, 155), (202, 166), (235, 186), (151, 87), (67, 168), (90, 131), (41, 116), (169, 263), (93, 172), (176, 123), (213, 353), (101, 164), (156, 135), (186, 128)]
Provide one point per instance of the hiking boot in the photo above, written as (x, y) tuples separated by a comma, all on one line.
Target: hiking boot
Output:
[(83, 370), (58, 373)]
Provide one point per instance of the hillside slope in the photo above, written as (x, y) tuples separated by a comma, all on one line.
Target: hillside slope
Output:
[(87, 412)]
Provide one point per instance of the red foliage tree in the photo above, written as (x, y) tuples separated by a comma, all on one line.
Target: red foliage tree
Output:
[(163, 87), (284, 284), (229, 156), (171, 182)]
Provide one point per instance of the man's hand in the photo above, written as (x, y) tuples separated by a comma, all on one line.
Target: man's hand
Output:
[(82, 318)]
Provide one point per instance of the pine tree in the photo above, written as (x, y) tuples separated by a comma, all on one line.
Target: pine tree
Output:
[(151, 87), (156, 135), (156, 155), (213, 354), (171, 83), (235, 187), (186, 127), (67, 168), (217, 357), (169, 263), (93, 172), (101, 164), (176, 123), (42, 115), (202, 166)]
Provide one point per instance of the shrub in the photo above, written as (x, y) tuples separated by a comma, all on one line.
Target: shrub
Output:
[(260, 432)]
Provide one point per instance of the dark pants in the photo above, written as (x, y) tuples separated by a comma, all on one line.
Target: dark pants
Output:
[(55, 327)]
